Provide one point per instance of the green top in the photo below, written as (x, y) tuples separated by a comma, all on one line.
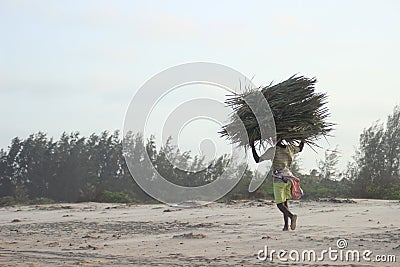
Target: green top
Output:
[(283, 156)]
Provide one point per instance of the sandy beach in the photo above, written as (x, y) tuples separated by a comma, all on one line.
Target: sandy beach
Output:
[(96, 234)]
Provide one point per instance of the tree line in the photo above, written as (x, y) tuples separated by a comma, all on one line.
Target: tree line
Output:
[(77, 168)]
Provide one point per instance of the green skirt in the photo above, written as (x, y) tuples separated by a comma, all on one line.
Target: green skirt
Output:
[(282, 192)]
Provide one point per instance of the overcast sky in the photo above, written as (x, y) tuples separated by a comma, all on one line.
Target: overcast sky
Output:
[(75, 65)]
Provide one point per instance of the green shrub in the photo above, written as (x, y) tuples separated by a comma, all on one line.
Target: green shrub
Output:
[(392, 191), (7, 201), (114, 197), (21, 194)]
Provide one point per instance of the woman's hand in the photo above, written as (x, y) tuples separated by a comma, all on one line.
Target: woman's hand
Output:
[(301, 145)]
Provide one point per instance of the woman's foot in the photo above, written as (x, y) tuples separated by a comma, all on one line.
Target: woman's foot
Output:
[(285, 228), (293, 222)]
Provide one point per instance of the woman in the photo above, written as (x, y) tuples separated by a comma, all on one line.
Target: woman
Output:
[(280, 171)]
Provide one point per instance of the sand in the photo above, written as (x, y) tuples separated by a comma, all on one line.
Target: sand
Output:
[(96, 234)]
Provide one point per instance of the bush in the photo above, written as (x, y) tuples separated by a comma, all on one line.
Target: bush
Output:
[(7, 201), (114, 197), (391, 191), (21, 194)]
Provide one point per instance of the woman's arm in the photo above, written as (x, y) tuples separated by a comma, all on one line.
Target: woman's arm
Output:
[(255, 155), (301, 146)]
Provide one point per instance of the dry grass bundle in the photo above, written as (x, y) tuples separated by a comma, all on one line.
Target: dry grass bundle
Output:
[(299, 113)]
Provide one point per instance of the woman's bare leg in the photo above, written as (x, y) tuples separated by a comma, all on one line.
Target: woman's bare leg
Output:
[(286, 214), (285, 217), (293, 218)]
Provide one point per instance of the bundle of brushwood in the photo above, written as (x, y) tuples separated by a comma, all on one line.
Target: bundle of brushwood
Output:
[(299, 113)]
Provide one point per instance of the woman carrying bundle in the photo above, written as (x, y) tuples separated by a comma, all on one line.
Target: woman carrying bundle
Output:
[(280, 172), (299, 113)]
